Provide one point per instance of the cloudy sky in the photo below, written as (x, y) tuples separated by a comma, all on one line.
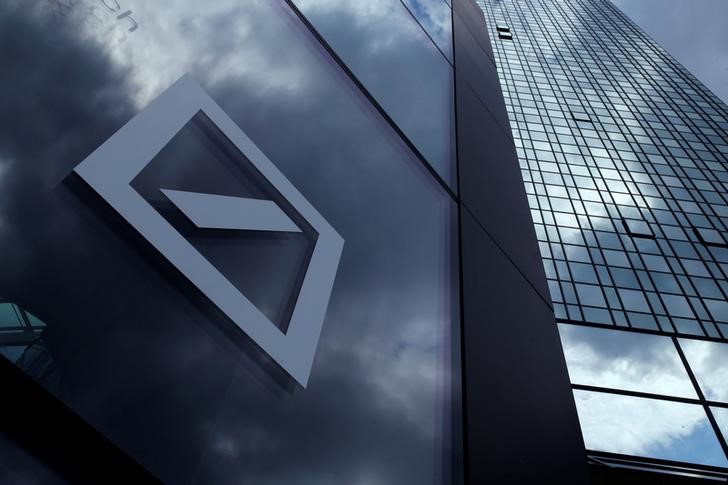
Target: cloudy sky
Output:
[(695, 32), (645, 363)]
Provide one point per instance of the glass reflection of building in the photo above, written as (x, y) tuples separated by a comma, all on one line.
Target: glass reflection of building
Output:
[(624, 155), (21, 342)]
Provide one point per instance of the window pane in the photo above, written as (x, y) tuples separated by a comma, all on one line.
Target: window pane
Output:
[(721, 417), (647, 427), (633, 300), (9, 316), (709, 363), (624, 360)]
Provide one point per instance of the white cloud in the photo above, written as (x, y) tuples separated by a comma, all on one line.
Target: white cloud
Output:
[(721, 417), (624, 360), (634, 426), (709, 362), (379, 18), (160, 50)]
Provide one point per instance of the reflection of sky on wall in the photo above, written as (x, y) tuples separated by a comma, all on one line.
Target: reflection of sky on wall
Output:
[(624, 360), (647, 427), (435, 18), (721, 417), (643, 363), (709, 362), (416, 88), (634, 198), (183, 401)]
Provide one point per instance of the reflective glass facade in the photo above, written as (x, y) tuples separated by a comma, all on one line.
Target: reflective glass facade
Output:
[(116, 332), (415, 89), (624, 155)]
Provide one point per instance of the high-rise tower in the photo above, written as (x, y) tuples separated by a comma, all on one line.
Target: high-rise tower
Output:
[(624, 155)]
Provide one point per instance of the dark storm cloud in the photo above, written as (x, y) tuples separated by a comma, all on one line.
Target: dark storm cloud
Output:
[(695, 32), (138, 356)]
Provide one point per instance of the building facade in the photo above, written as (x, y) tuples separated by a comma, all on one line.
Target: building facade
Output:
[(624, 155), (290, 242)]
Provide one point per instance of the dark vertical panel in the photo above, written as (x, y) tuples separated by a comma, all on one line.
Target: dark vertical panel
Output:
[(520, 415), (474, 20), (479, 74), (490, 181), (521, 421)]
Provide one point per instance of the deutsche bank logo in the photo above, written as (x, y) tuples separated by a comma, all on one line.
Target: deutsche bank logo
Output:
[(110, 169)]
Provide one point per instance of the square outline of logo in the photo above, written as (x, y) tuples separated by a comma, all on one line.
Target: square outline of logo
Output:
[(110, 169)]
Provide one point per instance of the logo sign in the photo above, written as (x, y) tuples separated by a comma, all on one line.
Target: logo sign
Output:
[(110, 169)]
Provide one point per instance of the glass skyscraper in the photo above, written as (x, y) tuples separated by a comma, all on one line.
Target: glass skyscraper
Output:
[(624, 155)]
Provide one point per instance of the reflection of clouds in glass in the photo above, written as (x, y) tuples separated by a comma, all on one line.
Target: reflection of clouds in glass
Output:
[(647, 427), (186, 399), (709, 362), (624, 181), (435, 17), (391, 55), (371, 393), (376, 17), (624, 360), (415, 88), (404, 367), (721, 417), (251, 54)]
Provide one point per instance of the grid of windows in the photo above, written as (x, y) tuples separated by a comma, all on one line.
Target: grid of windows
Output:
[(624, 155), (630, 206)]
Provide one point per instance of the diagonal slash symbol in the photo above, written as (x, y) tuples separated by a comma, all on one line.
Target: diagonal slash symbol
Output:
[(209, 211), (110, 169)]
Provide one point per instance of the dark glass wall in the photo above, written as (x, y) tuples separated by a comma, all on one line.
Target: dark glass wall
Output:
[(401, 52), (103, 320)]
